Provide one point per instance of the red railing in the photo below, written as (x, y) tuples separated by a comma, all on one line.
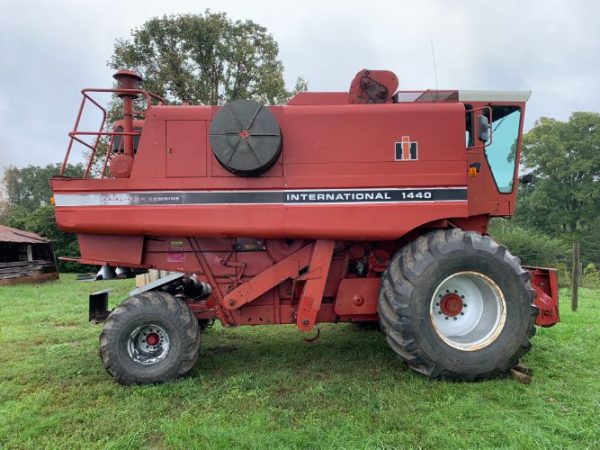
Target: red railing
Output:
[(76, 135)]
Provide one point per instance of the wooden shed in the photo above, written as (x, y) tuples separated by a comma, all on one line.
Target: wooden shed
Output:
[(25, 257)]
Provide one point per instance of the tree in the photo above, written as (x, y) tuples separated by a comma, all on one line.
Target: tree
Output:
[(29, 187), (28, 208), (564, 197), (205, 58)]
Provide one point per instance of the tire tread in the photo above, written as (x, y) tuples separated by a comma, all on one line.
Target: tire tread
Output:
[(398, 284), (165, 304)]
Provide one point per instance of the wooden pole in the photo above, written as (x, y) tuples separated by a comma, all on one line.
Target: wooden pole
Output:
[(575, 277)]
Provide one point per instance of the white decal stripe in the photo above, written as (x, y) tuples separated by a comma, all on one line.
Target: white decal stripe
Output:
[(287, 197)]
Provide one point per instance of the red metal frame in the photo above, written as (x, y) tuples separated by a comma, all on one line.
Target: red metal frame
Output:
[(74, 135), (314, 263), (545, 283), (314, 287), (288, 267)]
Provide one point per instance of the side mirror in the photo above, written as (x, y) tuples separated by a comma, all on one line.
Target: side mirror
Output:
[(484, 128), (526, 178)]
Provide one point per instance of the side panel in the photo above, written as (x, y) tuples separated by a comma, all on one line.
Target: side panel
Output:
[(337, 148), (186, 148), (149, 160), (351, 221), (126, 250), (357, 296)]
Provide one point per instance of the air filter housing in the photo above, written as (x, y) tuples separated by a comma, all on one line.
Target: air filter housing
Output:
[(245, 137)]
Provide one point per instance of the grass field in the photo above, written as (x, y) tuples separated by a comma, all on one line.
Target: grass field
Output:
[(264, 387)]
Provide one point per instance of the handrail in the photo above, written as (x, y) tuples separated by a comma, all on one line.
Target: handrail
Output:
[(75, 134)]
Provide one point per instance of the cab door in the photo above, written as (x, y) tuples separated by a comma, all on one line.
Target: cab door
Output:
[(493, 163)]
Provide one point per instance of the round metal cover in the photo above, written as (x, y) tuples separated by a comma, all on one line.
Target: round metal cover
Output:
[(245, 137)]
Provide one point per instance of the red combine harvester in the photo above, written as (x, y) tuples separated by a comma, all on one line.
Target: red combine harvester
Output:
[(367, 206)]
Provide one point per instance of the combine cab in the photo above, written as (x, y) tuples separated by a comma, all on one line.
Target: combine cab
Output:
[(367, 206)]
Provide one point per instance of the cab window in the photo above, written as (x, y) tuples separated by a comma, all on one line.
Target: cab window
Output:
[(469, 141), (502, 151)]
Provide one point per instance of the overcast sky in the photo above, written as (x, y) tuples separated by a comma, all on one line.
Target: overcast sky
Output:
[(49, 50)]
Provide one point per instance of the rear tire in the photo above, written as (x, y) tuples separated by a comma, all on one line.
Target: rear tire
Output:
[(150, 338), (424, 303)]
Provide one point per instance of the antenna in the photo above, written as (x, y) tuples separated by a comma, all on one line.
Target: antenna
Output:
[(434, 66)]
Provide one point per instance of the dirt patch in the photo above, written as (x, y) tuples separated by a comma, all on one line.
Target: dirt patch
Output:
[(282, 391), (155, 442), (301, 373), (66, 326)]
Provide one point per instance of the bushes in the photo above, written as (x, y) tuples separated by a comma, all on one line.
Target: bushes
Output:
[(591, 276), (534, 248), (538, 249)]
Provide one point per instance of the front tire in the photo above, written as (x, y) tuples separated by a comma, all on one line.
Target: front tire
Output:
[(457, 305), (150, 338)]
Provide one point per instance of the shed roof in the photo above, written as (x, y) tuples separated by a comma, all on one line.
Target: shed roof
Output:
[(8, 234)]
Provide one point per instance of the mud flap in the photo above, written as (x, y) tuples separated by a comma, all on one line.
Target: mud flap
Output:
[(98, 306), (545, 283)]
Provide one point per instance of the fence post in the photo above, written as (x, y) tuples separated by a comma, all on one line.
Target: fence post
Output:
[(575, 277)]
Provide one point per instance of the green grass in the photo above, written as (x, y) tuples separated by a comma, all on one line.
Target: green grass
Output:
[(264, 387)]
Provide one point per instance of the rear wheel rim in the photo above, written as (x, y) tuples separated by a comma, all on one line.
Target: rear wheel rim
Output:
[(468, 310), (148, 344)]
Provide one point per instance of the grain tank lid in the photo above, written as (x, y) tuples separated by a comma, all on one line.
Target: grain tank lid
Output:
[(493, 96)]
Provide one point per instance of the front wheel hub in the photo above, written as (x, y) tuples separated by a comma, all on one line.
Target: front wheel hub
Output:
[(148, 344), (152, 339)]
